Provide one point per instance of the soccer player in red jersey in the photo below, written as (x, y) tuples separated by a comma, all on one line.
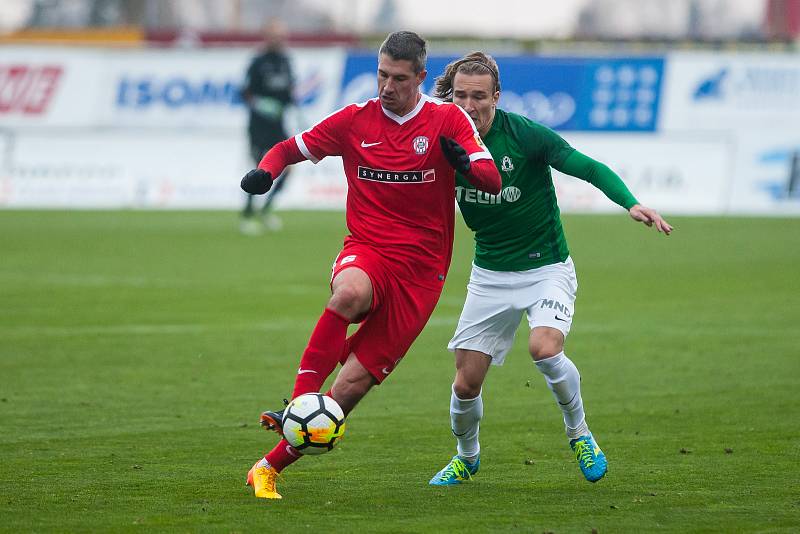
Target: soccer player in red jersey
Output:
[(400, 152)]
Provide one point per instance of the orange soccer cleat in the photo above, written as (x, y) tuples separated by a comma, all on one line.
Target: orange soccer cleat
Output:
[(262, 479)]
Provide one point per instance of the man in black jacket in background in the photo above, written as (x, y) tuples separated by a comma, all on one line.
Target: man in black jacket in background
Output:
[(267, 93)]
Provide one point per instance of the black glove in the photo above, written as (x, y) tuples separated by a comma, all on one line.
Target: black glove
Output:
[(455, 154), (257, 182)]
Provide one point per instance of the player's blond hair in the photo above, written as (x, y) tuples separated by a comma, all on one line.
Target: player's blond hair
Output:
[(472, 63)]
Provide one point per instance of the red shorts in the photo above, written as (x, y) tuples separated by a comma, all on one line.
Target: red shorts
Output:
[(400, 309)]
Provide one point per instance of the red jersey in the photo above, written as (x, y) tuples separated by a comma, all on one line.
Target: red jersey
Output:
[(400, 197)]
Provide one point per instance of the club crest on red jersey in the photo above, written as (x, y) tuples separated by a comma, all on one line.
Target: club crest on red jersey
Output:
[(420, 144)]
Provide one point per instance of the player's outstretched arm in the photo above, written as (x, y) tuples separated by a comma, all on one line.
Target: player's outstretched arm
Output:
[(650, 217), (602, 177), (599, 175), (260, 180)]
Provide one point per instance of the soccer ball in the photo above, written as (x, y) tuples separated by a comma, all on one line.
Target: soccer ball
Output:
[(313, 423)]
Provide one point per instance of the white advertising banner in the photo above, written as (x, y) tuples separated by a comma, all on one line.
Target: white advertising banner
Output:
[(199, 89), (165, 128), (171, 170), (115, 170), (673, 174), (767, 178), (148, 128), (730, 91), (176, 88), (159, 170), (51, 87), (44, 86)]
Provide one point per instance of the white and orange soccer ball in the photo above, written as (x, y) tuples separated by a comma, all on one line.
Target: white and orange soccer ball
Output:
[(313, 423)]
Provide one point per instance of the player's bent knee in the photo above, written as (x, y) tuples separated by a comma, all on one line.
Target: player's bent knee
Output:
[(466, 389), (544, 351), (471, 369), (545, 343), (350, 301)]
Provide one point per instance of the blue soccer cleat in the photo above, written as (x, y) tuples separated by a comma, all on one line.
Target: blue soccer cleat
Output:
[(273, 420), (455, 472), (590, 458)]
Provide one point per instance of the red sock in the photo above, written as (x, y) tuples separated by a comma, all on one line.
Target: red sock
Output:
[(322, 353), (282, 456)]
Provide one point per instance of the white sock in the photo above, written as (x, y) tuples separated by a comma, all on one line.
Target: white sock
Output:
[(264, 463), (564, 381), (465, 417)]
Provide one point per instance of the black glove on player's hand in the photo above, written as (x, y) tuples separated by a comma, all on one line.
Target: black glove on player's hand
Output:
[(455, 154), (257, 182)]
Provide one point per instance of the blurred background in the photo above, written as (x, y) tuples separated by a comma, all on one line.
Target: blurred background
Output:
[(138, 104)]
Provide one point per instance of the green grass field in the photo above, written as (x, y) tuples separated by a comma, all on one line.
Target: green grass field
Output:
[(137, 350)]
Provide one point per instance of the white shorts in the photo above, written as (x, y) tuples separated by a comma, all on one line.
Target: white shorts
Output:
[(495, 302)]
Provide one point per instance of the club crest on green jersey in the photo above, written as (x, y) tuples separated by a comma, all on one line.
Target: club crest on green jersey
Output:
[(506, 164)]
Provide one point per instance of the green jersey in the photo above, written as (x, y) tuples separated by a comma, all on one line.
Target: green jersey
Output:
[(520, 228)]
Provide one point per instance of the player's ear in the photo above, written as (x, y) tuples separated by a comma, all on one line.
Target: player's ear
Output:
[(495, 97), (421, 76)]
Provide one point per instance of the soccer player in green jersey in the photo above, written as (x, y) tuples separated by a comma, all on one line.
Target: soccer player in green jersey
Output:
[(522, 263)]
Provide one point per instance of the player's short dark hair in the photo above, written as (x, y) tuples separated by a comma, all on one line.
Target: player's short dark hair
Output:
[(472, 63), (406, 45)]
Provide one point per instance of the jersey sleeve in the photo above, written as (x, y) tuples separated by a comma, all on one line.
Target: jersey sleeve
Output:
[(600, 176), (280, 156), (543, 144), (465, 133), (325, 137)]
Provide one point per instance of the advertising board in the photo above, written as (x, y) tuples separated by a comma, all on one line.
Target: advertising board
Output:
[(179, 89), (75, 88), (674, 173), (565, 93), (690, 132), (730, 91), (767, 181), (50, 87)]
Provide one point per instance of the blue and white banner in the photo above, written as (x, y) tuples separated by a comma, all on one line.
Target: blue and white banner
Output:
[(618, 94), (150, 88), (203, 88), (767, 177), (731, 92), (705, 133), (751, 102)]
